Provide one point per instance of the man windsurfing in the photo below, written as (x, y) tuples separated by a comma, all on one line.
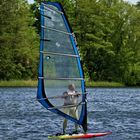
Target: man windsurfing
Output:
[(71, 98)]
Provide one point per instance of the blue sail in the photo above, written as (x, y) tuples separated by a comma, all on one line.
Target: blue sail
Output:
[(59, 63)]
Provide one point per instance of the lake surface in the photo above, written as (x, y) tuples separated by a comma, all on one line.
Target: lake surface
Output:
[(109, 109)]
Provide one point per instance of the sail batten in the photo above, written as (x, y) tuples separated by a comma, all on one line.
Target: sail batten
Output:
[(43, 39), (62, 96), (61, 78), (46, 16), (49, 8), (60, 31), (54, 53)]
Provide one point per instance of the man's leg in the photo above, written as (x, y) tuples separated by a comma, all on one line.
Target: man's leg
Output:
[(64, 125), (66, 110), (74, 113)]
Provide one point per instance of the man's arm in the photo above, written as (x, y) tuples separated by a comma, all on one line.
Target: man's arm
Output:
[(76, 94), (65, 94)]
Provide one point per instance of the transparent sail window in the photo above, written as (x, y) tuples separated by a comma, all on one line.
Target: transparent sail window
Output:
[(56, 88), (57, 66), (53, 19), (57, 42)]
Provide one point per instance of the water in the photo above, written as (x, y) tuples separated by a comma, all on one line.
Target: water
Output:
[(109, 109)]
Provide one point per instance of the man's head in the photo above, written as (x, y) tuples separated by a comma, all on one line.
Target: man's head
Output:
[(71, 87)]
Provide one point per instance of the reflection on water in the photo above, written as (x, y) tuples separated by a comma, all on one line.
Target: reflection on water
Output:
[(116, 110)]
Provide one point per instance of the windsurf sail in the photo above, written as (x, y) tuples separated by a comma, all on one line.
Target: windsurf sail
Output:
[(59, 63)]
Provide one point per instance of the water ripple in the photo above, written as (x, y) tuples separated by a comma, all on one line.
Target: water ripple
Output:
[(109, 109)]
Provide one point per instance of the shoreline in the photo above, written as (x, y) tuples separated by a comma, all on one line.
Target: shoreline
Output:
[(33, 83), (18, 83), (104, 84)]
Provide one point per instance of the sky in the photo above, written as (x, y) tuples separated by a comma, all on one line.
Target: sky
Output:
[(131, 1), (31, 1)]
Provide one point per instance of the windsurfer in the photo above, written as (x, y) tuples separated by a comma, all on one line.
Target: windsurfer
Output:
[(71, 98)]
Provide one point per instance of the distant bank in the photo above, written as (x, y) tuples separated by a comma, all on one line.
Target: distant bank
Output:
[(19, 83), (33, 83)]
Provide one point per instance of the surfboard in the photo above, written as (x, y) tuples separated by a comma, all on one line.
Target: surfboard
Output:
[(79, 136)]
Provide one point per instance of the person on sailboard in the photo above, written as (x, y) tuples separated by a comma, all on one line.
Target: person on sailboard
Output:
[(71, 98)]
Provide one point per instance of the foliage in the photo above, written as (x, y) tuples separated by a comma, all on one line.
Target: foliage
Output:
[(19, 83), (104, 84), (33, 83), (107, 31), (109, 39), (18, 41)]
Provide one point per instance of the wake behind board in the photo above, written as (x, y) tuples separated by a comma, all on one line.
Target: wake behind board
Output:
[(79, 136)]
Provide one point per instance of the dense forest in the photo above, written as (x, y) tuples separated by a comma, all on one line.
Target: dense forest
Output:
[(107, 31)]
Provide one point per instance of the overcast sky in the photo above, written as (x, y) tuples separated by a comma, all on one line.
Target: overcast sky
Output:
[(132, 1), (31, 1)]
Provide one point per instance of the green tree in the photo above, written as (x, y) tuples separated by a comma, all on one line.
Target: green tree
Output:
[(19, 41), (108, 35)]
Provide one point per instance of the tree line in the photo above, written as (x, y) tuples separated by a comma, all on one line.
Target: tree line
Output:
[(19, 41), (107, 32)]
